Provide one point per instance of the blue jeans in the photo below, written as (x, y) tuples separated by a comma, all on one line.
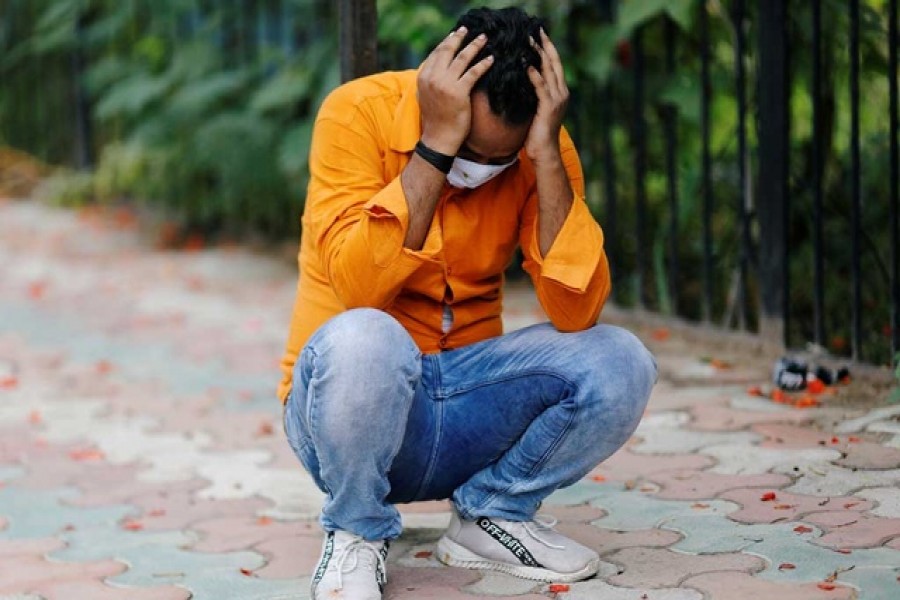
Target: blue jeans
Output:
[(497, 425)]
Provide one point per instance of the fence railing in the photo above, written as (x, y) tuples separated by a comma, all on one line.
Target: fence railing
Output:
[(761, 195), (764, 270)]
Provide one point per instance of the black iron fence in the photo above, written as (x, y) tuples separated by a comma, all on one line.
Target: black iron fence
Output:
[(784, 270), (742, 156)]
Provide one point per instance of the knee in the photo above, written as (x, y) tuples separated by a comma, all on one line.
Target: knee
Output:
[(624, 373), (366, 344)]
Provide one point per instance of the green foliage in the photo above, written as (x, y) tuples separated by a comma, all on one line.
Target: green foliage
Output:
[(206, 109), (70, 189)]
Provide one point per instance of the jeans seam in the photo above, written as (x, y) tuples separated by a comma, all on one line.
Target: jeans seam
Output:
[(437, 406), (510, 377), (310, 399)]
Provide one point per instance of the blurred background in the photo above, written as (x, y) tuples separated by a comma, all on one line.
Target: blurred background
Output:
[(741, 156)]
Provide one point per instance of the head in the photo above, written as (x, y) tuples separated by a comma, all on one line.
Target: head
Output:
[(503, 101), (506, 84)]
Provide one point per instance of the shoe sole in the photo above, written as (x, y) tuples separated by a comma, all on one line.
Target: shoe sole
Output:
[(451, 553)]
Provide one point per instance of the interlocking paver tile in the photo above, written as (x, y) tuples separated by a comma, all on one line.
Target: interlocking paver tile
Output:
[(140, 435), (661, 433), (888, 500), (33, 546), (42, 514), (833, 480), (29, 574), (743, 459), (706, 417), (290, 557), (604, 541), (860, 423), (668, 397), (96, 590), (864, 531), (742, 585), (180, 509), (626, 465), (661, 567), (875, 583), (411, 583), (855, 452), (500, 584), (680, 368), (635, 510), (784, 506), (779, 543), (158, 558), (698, 485), (594, 589), (228, 534)]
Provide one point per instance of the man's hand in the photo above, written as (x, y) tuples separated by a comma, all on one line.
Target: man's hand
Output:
[(445, 87), (542, 142)]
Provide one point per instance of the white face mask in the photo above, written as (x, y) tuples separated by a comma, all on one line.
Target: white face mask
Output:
[(468, 174)]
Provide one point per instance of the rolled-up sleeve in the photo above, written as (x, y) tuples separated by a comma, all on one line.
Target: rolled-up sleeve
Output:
[(572, 281), (360, 218)]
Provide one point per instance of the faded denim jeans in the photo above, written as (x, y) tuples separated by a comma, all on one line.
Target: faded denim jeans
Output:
[(497, 426)]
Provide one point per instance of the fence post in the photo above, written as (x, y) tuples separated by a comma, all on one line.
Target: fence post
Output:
[(84, 135), (772, 197), (358, 23)]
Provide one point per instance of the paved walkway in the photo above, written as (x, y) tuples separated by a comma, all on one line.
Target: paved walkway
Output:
[(141, 454)]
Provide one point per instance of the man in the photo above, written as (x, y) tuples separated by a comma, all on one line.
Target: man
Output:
[(399, 385)]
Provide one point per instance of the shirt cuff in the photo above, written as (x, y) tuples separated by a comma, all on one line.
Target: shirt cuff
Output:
[(388, 216), (576, 252)]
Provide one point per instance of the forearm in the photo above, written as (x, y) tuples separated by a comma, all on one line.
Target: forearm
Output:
[(554, 199), (422, 184)]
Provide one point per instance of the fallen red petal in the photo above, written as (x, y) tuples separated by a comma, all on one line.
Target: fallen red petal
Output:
[(86, 454), (132, 525), (786, 566), (802, 529), (556, 588), (768, 497)]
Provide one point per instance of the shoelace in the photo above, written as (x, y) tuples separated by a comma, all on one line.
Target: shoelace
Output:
[(543, 523), (354, 548)]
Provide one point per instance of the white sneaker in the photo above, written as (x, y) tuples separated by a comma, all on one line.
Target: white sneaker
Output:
[(529, 549), (350, 568)]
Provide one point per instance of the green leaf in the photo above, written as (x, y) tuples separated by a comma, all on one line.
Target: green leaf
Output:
[(284, 90), (293, 153), (130, 96), (600, 52), (683, 91), (635, 13), (106, 71), (682, 12), (197, 97)]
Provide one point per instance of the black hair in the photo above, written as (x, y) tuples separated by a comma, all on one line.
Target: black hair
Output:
[(508, 30)]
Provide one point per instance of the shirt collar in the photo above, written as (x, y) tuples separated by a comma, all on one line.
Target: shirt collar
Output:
[(407, 127)]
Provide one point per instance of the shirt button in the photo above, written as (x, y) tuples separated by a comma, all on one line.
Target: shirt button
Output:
[(443, 342), (449, 270)]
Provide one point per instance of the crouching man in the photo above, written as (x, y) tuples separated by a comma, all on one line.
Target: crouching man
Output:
[(399, 384)]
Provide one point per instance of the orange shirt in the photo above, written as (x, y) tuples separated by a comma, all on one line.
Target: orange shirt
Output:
[(356, 217)]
